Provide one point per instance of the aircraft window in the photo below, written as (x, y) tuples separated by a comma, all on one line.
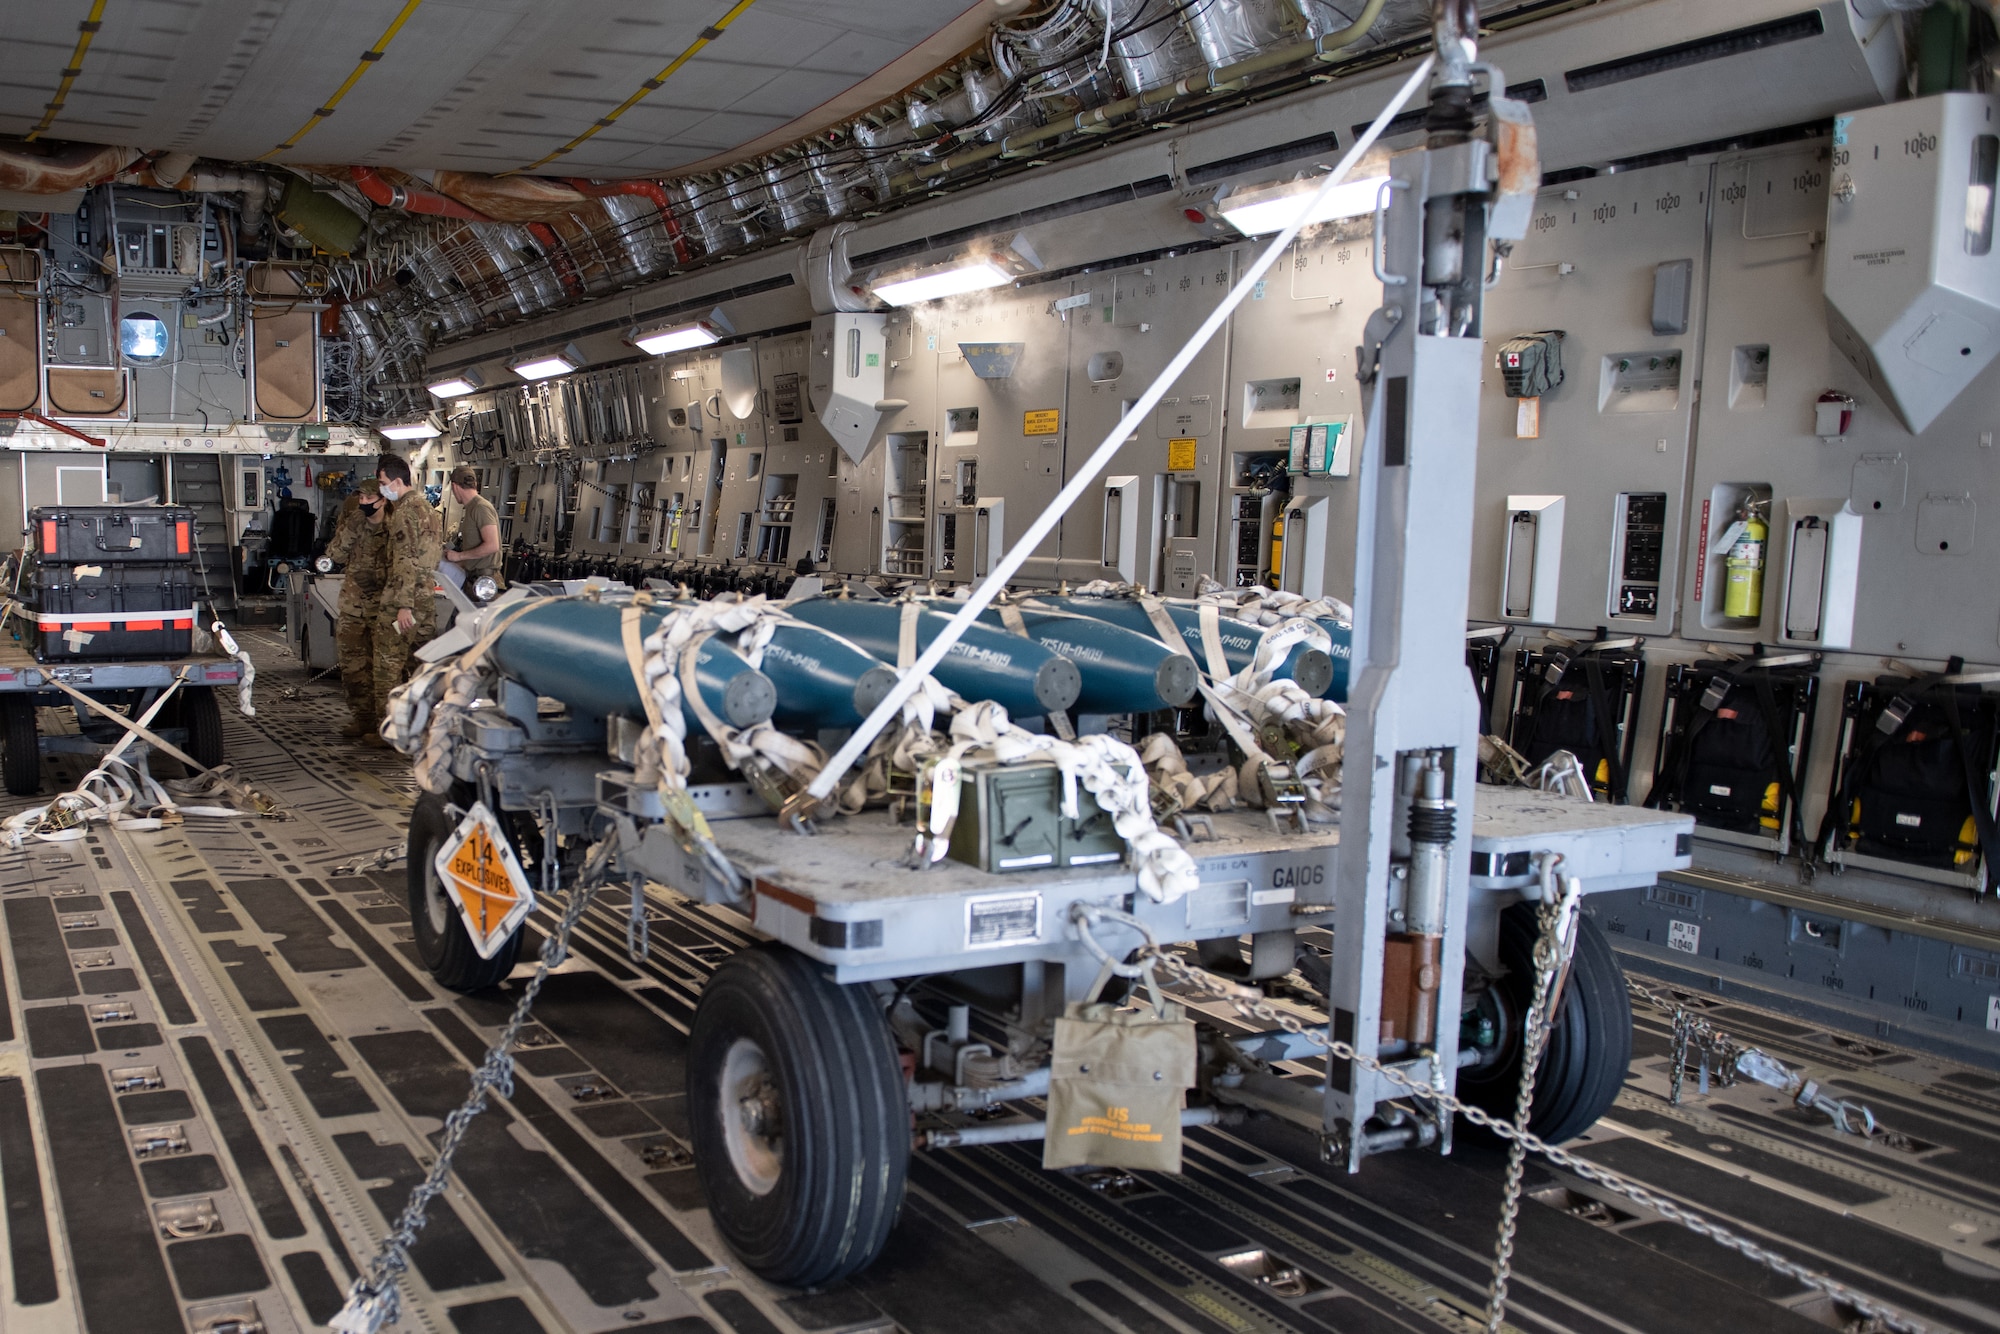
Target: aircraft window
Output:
[(142, 337)]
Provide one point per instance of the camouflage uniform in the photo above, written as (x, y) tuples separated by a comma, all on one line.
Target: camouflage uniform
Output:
[(361, 547), (414, 547)]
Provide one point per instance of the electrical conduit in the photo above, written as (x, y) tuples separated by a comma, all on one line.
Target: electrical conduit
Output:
[(1325, 48)]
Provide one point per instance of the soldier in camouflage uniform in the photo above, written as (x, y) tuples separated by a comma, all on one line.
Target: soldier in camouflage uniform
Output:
[(407, 617), (360, 542)]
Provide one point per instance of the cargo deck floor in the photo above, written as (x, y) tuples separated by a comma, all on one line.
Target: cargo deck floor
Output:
[(299, 1063)]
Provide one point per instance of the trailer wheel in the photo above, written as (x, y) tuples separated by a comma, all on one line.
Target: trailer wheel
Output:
[(20, 746), (441, 939), (202, 717), (1589, 1045), (800, 1123)]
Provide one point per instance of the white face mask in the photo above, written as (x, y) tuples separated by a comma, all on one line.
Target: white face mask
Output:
[(391, 491)]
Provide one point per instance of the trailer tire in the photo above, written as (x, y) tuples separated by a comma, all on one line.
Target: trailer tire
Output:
[(20, 746), (1589, 1045), (441, 938), (201, 715), (800, 1209)]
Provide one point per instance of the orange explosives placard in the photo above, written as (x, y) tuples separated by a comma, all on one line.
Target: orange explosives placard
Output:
[(478, 870)]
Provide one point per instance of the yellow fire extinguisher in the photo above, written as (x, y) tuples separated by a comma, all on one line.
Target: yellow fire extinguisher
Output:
[(1743, 567), (1277, 547)]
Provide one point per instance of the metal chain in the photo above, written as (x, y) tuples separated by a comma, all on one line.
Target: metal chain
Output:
[(638, 940), (1723, 1057), (1552, 952), (1693, 1036), (1249, 1003), (374, 1301)]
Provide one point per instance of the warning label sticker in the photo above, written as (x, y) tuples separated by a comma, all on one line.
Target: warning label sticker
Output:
[(994, 920), (1042, 421), (1117, 1123), (1180, 454), (479, 873)]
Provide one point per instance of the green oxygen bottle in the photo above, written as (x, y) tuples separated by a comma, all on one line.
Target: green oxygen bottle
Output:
[(1743, 568)]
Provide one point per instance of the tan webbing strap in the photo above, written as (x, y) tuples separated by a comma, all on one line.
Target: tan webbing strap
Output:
[(1010, 616), (1163, 626), (1234, 723), (906, 635), (1211, 642), (470, 658), (138, 729), (635, 658), (691, 696)]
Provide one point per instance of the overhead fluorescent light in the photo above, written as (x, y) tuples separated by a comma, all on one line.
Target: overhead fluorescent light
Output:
[(541, 365), (974, 271), (456, 386), (1261, 210), (967, 276), (423, 428), (661, 339)]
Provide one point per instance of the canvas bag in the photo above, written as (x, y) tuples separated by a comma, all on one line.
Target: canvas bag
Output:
[(1531, 364), (1116, 1084)]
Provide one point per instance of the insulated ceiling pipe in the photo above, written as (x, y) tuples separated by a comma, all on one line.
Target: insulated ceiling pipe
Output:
[(379, 191), (70, 167), (512, 198), (646, 189)]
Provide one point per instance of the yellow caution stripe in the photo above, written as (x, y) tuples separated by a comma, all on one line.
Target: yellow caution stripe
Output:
[(646, 89), (86, 32), (368, 59)]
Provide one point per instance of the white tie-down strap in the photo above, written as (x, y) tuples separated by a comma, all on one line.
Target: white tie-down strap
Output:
[(1269, 606), (906, 634), (666, 670), (1163, 625), (1106, 768), (1168, 769), (433, 767), (1250, 705), (242, 656), (1209, 618), (116, 792), (422, 718), (904, 747), (1276, 644), (407, 719)]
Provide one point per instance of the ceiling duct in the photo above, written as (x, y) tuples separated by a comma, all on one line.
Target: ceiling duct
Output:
[(69, 167), (830, 274), (1912, 276), (513, 198)]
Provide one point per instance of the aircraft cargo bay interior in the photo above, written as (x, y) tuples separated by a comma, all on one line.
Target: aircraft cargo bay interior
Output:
[(1093, 666)]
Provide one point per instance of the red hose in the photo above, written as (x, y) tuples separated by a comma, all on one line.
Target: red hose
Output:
[(379, 191), (559, 256)]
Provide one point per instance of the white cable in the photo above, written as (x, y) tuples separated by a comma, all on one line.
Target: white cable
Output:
[(1141, 408)]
